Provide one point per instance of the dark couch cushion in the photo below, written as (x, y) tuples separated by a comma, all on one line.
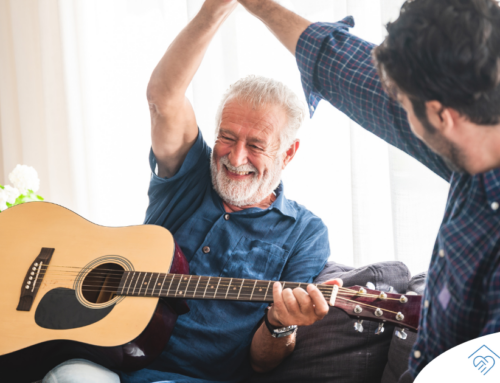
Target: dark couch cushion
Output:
[(399, 350), (330, 350)]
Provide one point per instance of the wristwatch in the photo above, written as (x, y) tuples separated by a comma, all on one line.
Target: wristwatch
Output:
[(278, 332)]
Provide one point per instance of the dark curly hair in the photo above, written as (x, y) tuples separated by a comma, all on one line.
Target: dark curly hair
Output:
[(448, 51)]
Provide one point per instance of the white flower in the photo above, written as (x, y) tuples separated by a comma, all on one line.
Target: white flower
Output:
[(12, 194), (25, 178), (3, 200)]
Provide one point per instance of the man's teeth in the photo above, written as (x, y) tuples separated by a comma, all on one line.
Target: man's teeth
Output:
[(241, 173)]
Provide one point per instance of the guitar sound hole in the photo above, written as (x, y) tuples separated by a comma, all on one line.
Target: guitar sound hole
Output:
[(101, 284)]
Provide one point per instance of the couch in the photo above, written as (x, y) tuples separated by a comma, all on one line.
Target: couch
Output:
[(332, 351)]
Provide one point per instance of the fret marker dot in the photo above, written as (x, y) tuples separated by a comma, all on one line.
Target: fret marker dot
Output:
[(145, 283), (211, 287), (158, 284), (185, 278), (180, 292), (234, 288), (260, 289)]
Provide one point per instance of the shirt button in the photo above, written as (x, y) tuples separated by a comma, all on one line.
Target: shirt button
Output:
[(312, 108), (226, 217), (206, 249), (494, 205), (426, 303), (441, 253), (417, 354)]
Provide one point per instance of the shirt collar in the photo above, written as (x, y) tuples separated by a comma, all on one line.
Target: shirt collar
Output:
[(492, 185), (283, 205)]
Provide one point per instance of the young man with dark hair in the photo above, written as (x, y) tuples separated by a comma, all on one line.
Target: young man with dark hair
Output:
[(440, 64)]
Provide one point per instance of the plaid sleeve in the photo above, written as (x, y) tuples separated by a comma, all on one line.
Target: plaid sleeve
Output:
[(338, 67), (493, 301)]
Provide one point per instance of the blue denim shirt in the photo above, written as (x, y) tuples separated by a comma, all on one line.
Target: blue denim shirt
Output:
[(462, 297), (283, 242)]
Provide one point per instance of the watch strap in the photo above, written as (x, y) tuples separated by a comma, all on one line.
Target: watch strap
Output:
[(278, 332)]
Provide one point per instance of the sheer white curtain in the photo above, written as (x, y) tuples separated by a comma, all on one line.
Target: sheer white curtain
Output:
[(73, 75)]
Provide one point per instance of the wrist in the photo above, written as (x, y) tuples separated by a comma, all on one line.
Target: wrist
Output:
[(272, 321), (257, 7), (214, 12), (278, 331)]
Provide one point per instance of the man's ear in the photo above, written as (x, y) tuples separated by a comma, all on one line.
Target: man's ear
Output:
[(290, 153), (442, 118)]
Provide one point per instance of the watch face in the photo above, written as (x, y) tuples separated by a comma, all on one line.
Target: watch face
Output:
[(284, 331)]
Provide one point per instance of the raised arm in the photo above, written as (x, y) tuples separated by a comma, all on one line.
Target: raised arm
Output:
[(283, 23), (338, 67), (173, 123)]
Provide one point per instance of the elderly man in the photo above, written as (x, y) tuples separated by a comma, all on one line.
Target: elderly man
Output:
[(227, 211), (441, 62)]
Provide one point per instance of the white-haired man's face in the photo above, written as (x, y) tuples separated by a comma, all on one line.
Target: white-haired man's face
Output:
[(246, 163)]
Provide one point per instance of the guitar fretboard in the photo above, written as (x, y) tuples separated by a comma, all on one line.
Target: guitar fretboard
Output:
[(202, 287)]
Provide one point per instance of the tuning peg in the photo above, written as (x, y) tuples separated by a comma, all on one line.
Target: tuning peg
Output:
[(380, 329), (401, 334), (358, 326), (370, 285)]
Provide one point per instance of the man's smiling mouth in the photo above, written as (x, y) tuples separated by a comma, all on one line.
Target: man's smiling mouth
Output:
[(238, 172)]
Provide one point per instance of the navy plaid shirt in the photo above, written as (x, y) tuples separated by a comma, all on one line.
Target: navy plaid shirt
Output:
[(462, 297)]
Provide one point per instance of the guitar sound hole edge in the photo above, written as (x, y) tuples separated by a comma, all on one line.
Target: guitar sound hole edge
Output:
[(101, 284)]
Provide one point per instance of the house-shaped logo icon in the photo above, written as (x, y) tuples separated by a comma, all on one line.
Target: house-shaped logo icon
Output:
[(484, 359)]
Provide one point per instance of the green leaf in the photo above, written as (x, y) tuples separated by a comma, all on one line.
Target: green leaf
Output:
[(21, 199), (1, 187), (8, 204), (39, 197)]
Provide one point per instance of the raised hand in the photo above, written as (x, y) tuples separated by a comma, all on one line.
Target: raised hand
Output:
[(226, 6)]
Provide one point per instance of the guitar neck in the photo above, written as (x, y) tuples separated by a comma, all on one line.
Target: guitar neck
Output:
[(201, 287)]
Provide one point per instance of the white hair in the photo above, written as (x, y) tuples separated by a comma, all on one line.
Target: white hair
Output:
[(259, 91)]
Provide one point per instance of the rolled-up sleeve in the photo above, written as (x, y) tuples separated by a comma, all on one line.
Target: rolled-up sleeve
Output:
[(338, 67)]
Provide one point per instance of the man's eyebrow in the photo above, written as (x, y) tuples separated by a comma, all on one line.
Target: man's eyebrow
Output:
[(250, 139), (257, 140), (228, 132)]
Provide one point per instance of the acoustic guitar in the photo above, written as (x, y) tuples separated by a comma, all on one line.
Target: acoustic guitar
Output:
[(73, 289)]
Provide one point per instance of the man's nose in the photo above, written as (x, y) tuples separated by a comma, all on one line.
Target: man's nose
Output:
[(238, 155)]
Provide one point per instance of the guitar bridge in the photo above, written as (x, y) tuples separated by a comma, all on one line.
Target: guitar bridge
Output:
[(33, 279)]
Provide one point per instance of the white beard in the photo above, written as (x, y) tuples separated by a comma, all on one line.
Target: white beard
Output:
[(245, 192)]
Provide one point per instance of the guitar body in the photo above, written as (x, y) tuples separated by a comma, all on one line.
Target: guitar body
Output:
[(66, 318)]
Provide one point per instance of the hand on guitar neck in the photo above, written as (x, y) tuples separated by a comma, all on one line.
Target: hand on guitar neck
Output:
[(297, 306)]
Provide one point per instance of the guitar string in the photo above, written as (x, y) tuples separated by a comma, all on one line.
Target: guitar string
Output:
[(120, 276), (120, 272), (244, 295), (366, 304), (323, 288), (187, 293), (114, 289)]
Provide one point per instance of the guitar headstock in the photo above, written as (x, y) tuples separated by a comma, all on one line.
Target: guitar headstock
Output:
[(362, 303)]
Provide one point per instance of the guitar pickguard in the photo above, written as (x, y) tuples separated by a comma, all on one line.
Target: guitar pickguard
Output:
[(60, 309)]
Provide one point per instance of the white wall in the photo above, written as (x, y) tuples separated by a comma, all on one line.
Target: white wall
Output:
[(72, 104)]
